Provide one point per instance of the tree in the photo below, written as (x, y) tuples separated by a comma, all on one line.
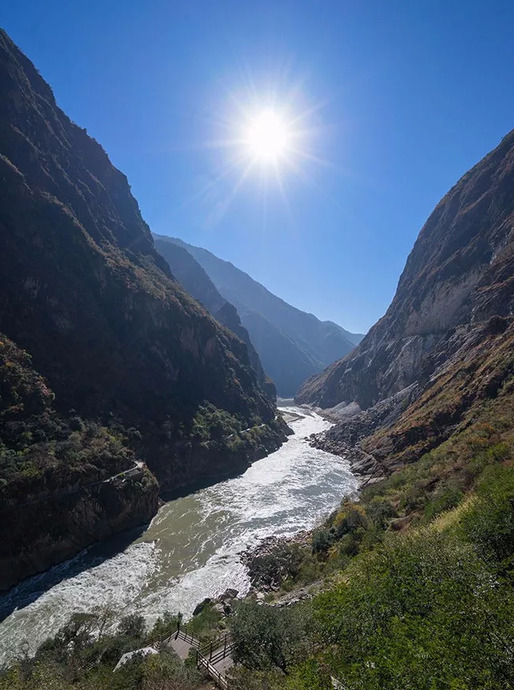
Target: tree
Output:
[(267, 637), (132, 626)]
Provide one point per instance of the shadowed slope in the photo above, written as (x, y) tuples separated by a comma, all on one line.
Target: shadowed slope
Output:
[(291, 343)]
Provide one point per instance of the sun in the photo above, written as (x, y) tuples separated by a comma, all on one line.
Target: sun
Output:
[(270, 135), (267, 136)]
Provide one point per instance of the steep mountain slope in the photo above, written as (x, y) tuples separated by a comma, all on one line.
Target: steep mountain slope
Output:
[(284, 360), (85, 293), (192, 276), (280, 333), (442, 349)]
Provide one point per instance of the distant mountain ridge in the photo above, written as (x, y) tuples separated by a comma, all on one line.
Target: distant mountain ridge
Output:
[(292, 344), (192, 276)]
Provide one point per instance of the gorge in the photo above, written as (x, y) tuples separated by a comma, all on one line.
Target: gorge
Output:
[(147, 466)]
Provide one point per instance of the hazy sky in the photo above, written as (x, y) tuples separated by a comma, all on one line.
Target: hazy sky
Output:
[(397, 99)]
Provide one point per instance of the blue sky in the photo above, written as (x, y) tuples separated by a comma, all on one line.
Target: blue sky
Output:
[(400, 98)]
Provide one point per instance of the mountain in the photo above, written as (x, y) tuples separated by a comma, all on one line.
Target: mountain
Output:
[(136, 370), (192, 276), (444, 349), (291, 344)]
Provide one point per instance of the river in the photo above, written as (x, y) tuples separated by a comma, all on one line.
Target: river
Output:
[(191, 548)]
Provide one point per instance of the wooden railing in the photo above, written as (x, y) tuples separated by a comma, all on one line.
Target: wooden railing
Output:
[(211, 654), (208, 655), (182, 635), (213, 672), (217, 650)]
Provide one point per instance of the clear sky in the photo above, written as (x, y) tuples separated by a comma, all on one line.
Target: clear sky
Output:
[(397, 99)]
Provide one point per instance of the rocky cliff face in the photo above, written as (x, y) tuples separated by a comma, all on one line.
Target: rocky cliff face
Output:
[(116, 338), (59, 526), (444, 347), (195, 280), (65, 482), (458, 275), (292, 344)]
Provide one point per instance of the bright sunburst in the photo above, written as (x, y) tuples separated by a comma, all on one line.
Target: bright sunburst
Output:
[(267, 136)]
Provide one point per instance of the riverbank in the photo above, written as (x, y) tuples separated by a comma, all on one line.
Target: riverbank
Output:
[(343, 438), (351, 426)]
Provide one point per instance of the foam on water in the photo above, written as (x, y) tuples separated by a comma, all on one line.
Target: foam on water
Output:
[(191, 549)]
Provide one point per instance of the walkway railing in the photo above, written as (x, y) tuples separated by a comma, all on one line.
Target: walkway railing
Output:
[(208, 655), (218, 650), (212, 654), (182, 635), (213, 672)]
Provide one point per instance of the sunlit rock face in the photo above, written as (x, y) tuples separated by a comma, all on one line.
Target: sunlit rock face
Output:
[(459, 274), (113, 334), (445, 347)]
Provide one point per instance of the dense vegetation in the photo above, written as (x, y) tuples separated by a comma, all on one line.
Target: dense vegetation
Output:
[(428, 609), (42, 450), (83, 654)]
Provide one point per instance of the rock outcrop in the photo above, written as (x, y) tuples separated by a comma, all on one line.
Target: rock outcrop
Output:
[(458, 275)]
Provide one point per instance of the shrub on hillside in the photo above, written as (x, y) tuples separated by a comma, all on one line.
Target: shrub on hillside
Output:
[(489, 523), (422, 612), (266, 637)]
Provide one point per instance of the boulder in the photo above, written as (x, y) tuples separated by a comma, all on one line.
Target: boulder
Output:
[(200, 607)]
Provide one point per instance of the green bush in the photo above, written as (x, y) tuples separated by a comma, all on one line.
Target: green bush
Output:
[(322, 540), (380, 511), (212, 423), (423, 612), (266, 637), (446, 496), (132, 626), (489, 524)]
